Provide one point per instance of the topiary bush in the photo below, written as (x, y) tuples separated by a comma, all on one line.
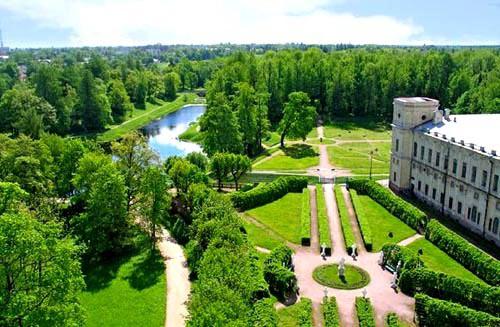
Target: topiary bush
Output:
[(304, 317), (392, 320), (412, 216), (432, 312), (305, 218), (364, 225), (475, 260), (394, 253), (268, 192), (330, 312), (439, 285), (364, 312)]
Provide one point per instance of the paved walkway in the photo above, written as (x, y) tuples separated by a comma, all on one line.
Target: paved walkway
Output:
[(178, 284), (410, 239)]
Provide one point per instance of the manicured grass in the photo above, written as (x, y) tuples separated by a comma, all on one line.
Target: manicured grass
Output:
[(294, 157), (128, 290), (380, 221), (146, 117), (356, 157), (349, 239), (266, 153), (261, 237), (305, 218), (317, 141), (272, 138), (323, 224), (435, 259), (282, 216), (296, 315), (354, 277), (192, 134), (357, 129)]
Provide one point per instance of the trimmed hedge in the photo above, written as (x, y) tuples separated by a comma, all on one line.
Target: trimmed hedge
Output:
[(349, 239), (412, 216), (305, 218), (264, 314), (304, 316), (433, 312), (442, 286), (392, 320), (475, 260), (330, 312), (393, 253), (364, 225), (268, 193), (278, 272), (364, 311), (323, 224)]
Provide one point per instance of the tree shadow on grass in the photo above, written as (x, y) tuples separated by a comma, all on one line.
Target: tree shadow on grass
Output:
[(146, 270), (298, 151)]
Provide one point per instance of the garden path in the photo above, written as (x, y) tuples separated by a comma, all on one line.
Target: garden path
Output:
[(410, 239), (314, 219), (353, 221)]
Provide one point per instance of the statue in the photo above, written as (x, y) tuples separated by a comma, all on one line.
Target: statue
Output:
[(325, 291), (381, 258), (364, 292), (341, 268), (394, 281), (323, 251), (353, 251), (398, 267)]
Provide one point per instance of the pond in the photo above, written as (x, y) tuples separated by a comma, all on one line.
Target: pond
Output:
[(163, 134)]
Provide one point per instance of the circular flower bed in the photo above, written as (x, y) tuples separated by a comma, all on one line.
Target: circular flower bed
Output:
[(354, 277)]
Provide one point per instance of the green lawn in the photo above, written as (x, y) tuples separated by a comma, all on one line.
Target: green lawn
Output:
[(261, 237), (192, 134), (294, 157), (438, 260), (344, 218), (292, 315), (357, 129), (271, 139), (356, 157), (354, 277), (129, 290), (381, 223), (323, 223), (282, 216)]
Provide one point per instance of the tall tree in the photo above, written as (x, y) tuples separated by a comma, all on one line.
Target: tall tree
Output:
[(238, 165), (261, 120), (171, 82), (219, 165), (119, 101), (93, 107), (246, 112), (298, 117)]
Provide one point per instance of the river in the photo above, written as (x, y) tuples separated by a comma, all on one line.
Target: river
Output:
[(163, 134)]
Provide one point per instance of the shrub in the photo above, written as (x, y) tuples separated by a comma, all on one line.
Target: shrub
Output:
[(393, 253), (305, 218), (442, 286), (392, 320), (278, 272), (305, 313), (475, 260), (323, 225), (366, 231), (433, 312), (330, 312), (264, 314), (364, 311), (268, 193), (349, 239), (403, 210)]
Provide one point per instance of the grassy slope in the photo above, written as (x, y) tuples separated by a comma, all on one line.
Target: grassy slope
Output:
[(344, 218), (294, 157), (323, 225), (438, 260), (356, 156), (140, 120), (261, 237), (282, 216), (127, 291)]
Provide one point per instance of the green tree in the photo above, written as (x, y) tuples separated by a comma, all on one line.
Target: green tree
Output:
[(261, 120), (238, 166), (141, 91), (93, 106), (219, 165), (298, 117), (183, 174), (198, 159), (247, 120), (171, 83), (119, 101)]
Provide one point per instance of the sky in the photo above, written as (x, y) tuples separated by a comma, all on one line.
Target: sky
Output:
[(58, 23)]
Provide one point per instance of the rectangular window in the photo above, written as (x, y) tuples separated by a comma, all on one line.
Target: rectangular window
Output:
[(484, 179), (446, 163), (495, 183), (438, 158), (426, 189), (415, 148), (468, 213), (450, 203), (419, 185), (459, 207), (455, 165), (422, 152), (473, 215), (394, 177), (473, 174), (434, 194), (441, 199), (478, 218), (464, 169), (397, 145), (429, 156)]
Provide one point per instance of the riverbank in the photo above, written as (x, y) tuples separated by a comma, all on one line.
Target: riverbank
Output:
[(115, 132)]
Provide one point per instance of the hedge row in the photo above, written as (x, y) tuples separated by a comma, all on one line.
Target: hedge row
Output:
[(394, 253), (264, 313), (364, 225), (323, 225), (433, 312), (330, 312), (304, 317), (305, 218), (268, 193), (364, 311), (442, 286), (475, 260), (349, 239), (392, 320), (278, 272), (403, 210)]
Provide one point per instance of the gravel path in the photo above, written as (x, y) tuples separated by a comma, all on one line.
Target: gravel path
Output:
[(410, 239)]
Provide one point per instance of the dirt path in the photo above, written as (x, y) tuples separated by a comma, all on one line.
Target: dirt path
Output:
[(410, 239), (314, 219), (353, 221), (178, 284)]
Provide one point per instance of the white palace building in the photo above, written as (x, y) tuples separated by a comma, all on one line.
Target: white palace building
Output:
[(451, 162)]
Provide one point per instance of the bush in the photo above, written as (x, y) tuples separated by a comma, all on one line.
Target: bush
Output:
[(305, 313), (364, 225), (403, 210), (432, 312), (264, 314), (330, 312), (475, 260), (305, 218), (349, 239), (364, 311), (392, 320), (268, 193), (278, 272), (442, 286), (394, 253), (323, 225)]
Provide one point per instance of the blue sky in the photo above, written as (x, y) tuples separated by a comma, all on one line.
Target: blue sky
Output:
[(55, 23)]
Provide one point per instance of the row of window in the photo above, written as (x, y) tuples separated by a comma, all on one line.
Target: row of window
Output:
[(495, 222)]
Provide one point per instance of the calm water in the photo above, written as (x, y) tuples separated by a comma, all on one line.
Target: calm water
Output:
[(163, 134)]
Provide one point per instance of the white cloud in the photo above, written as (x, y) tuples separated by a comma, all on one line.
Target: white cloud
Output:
[(133, 22)]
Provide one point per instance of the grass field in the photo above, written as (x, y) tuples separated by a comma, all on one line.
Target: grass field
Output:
[(129, 290), (192, 134), (381, 222), (438, 260), (272, 138), (261, 237), (294, 157), (291, 316), (282, 216), (323, 224), (355, 156), (357, 129), (349, 239), (354, 277), (141, 118)]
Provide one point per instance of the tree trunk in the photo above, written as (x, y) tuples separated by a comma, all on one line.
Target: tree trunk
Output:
[(282, 140), (235, 179)]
